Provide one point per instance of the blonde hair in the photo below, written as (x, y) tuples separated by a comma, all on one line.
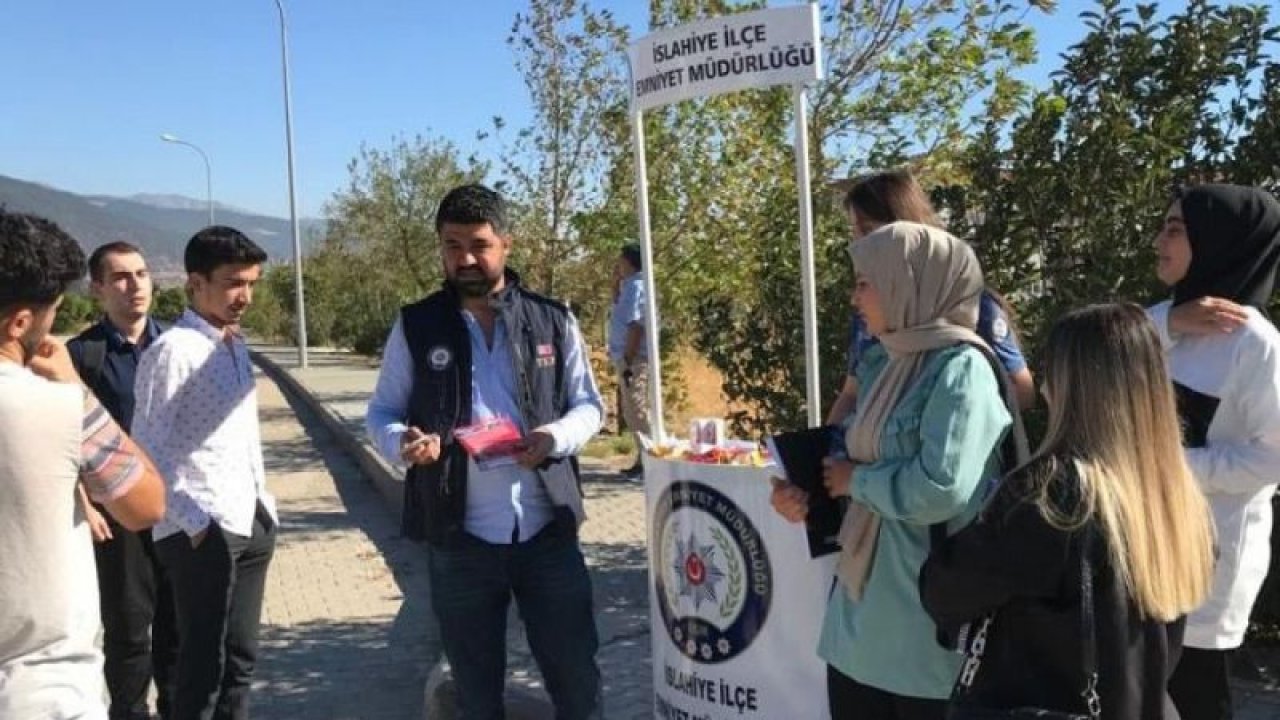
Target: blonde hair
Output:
[(1113, 420)]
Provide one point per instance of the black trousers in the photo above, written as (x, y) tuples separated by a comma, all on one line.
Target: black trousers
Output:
[(218, 590), (851, 700), (139, 630), (1201, 686)]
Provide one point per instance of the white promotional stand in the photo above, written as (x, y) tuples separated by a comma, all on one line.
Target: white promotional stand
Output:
[(735, 601)]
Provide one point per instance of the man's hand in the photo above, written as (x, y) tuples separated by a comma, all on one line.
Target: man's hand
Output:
[(1207, 316), (98, 525), (53, 362), (789, 501), (538, 446), (836, 475), (419, 448)]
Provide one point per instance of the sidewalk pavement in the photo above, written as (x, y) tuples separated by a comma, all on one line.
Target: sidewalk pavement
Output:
[(306, 620), (345, 627), (344, 632)]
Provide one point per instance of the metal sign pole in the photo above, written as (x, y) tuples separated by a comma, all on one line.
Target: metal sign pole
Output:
[(656, 425), (808, 285)]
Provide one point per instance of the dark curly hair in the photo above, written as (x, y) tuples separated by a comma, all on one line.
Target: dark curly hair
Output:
[(38, 261), (219, 245), (472, 205)]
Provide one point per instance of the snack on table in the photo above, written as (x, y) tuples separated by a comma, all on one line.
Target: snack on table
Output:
[(719, 452)]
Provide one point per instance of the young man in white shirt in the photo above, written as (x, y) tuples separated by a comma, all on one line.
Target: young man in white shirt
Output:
[(196, 412), (1219, 252), (53, 434)]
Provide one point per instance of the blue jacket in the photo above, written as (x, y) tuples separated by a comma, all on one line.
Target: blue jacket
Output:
[(938, 455)]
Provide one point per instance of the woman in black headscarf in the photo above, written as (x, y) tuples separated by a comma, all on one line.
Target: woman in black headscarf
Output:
[(1219, 251)]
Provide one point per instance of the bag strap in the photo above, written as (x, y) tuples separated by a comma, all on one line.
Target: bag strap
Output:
[(978, 645), (1088, 626)]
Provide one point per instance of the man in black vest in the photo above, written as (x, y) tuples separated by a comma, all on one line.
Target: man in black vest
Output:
[(486, 351), (140, 639)]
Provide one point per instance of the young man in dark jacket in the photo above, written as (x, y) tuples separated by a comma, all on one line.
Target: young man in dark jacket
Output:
[(139, 639)]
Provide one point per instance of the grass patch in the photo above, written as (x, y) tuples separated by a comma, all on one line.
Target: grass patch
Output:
[(603, 447)]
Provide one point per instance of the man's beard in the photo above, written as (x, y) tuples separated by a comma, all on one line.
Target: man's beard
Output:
[(473, 283)]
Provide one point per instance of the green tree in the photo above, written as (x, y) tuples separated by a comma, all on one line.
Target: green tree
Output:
[(168, 303), (1257, 156), (572, 58), (722, 190), (379, 250), (388, 208), (77, 311), (1063, 213)]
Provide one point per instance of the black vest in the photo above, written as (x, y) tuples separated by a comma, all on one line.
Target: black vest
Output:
[(435, 498)]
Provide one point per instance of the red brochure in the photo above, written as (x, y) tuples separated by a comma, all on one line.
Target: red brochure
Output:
[(491, 443)]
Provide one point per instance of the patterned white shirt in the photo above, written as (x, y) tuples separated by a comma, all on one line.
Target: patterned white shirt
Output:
[(196, 413)]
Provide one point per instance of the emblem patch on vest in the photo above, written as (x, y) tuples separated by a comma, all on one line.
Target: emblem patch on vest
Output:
[(546, 355), (439, 357)]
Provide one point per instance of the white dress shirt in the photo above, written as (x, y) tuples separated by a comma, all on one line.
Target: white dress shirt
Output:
[(507, 502), (196, 413)]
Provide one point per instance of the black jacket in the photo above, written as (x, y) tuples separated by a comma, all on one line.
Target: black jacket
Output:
[(1013, 562)]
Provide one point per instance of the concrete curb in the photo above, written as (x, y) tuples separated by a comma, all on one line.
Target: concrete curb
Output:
[(384, 477)]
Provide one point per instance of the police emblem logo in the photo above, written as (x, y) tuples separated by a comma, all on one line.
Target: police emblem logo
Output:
[(439, 357), (712, 576)]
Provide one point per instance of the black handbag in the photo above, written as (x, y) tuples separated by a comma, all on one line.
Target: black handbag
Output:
[(958, 709)]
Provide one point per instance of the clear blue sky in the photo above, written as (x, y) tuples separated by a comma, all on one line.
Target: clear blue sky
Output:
[(90, 85)]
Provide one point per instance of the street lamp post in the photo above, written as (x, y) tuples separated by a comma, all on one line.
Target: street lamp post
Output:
[(208, 172), (298, 298)]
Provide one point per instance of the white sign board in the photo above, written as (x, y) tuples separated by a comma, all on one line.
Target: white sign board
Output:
[(735, 602), (777, 46)]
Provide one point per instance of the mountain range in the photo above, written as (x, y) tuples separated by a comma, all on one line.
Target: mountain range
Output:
[(159, 224)]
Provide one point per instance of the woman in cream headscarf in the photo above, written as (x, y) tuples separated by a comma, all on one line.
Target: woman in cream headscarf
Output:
[(925, 445)]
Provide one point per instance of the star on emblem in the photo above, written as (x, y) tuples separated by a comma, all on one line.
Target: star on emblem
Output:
[(696, 571)]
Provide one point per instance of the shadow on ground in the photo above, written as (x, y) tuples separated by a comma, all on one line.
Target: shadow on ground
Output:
[(346, 668)]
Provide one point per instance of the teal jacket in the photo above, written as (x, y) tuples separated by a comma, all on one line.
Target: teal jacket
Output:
[(938, 456)]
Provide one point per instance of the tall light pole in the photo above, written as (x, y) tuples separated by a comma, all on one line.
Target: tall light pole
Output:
[(298, 299), (208, 172)]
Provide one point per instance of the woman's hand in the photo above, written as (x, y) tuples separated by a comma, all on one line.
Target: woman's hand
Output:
[(789, 501), (836, 476), (1207, 316)]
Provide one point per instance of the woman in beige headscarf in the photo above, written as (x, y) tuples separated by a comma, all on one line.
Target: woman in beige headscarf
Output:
[(926, 445)]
